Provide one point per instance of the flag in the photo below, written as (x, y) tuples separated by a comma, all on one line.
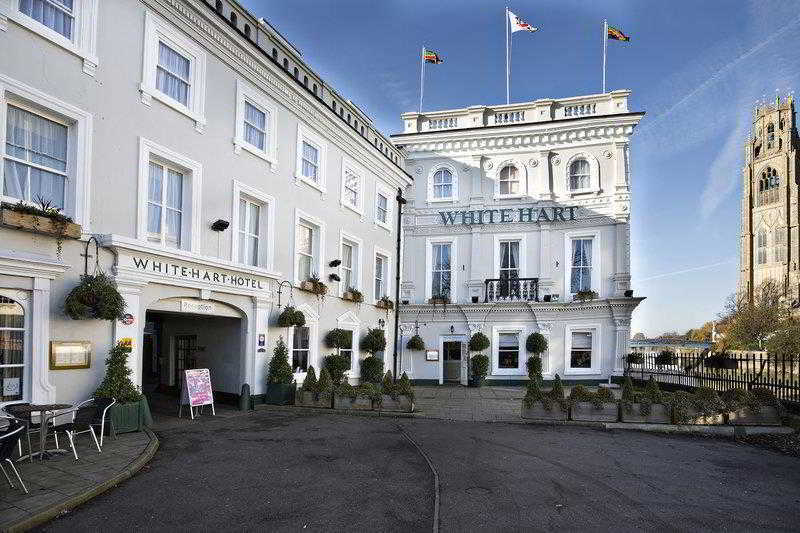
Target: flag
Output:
[(617, 35), (431, 57), (517, 24)]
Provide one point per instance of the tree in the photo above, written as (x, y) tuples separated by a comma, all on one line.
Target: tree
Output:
[(701, 334), (279, 369), (640, 337), (786, 341), (752, 322), (117, 382)]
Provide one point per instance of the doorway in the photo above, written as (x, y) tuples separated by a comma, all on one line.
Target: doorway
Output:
[(185, 348), (451, 357)]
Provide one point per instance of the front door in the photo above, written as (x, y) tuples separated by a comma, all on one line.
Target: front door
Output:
[(184, 353), (452, 360)]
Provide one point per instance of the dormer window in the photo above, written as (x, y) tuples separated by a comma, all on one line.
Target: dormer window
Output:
[(509, 181)]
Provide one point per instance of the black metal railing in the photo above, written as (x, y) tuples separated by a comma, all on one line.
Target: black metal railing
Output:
[(511, 289), (738, 369)]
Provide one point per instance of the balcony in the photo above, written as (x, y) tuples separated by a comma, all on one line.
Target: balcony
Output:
[(511, 290)]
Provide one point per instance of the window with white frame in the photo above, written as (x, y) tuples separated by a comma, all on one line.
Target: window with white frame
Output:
[(381, 285), (348, 265), (441, 272), (306, 263), (310, 160), (346, 348), (352, 195), (580, 355), (255, 123), (509, 181), (301, 348), (249, 231), (165, 192), (581, 266), (311, 152), (509, 260), (35, 159), (442, 184), (579, 175), (381, 208), (174, 70), (71, 24), (12, 350), (383, 205), (508, 350)]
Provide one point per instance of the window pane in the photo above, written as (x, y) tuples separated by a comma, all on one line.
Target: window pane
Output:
[(11, 383), (304, 239), (174, 189), (255, 116), (15, 180), (173, 231), (300, 349), (253, 257), (172, 74), (155, 187), (255, 124), (55, 14), (242, 214), (254, 214), (47, 186), (11, 314)]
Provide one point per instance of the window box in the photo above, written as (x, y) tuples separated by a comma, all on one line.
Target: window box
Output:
[(659, 414), (353, 296), (385, 303), (439, 300), (403, 404), (587, 412), (280, 393), (314, 286), (537, 411), (584, 296), (313, 399), (765, 416), (45, 225)]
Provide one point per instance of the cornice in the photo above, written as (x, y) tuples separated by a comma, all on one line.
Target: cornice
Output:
[(222, 42), (617, 308)]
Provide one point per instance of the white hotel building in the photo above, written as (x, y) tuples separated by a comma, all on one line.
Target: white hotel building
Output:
[(148, 121), (514, 209)]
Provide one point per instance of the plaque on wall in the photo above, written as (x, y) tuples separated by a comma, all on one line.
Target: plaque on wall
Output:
[(68, 355), (432, 355)]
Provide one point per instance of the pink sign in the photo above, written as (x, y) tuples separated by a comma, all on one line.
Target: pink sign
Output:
[(198, 387)]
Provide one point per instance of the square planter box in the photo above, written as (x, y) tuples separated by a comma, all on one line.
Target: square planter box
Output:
[(383, 304), (538, 412), (345, 402), (311, 399), (697, 419), (766, 416), (586, 412), (659, 414), (280, 393), (402, 404), (351, 297), (38, 224), (129, 417)]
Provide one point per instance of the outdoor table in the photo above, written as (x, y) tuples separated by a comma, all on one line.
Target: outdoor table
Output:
[(47, 412)]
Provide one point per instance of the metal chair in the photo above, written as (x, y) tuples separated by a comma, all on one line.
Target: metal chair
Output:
[(30, 426), (8, 438), (85, 416), (103, 405)]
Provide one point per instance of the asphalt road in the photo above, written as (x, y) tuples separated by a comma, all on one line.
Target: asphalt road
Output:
[(289, 471)]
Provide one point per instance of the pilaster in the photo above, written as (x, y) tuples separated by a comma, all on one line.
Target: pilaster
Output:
[(544, 176), (257, 355), (42, 391), (131, 292)]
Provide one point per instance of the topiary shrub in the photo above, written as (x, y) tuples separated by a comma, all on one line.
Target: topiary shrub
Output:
[(374, 341), (415, 343), (325, 383), (581, 394), (388, 386), (310, 383), (336, 338), (480, 366), (549, 399), (371, 370), (291, 317), (704, 400), (534, 366), (280, 372), (478, 342), (536, 343), (336, 365), (404, 387), (95, 297), (629, 395), (117, 383)]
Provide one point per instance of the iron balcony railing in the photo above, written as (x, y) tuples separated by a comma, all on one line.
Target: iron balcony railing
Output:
[(511, 290)]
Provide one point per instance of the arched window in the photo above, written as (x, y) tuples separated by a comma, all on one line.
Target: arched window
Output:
[(315, 89), (275, 54), (579, 177), (219, 7), (770, 135), (348, 118), (247, 30), (362, 131), (509, 180), (233, 18), (761, 247), (285, 63), (333, 105), (768, 186), (296, 72), (12, 350), (305, 81), (442, 184)]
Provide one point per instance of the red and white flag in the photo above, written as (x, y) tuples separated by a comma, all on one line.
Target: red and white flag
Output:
[(517, 24)]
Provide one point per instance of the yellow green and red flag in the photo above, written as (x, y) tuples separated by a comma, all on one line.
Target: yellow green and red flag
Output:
[(431, 57), (617, 35)]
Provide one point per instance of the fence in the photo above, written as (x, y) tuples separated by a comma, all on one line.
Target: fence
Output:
[(737, 369)]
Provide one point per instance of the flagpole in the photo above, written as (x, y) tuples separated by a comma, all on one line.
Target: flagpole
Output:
[(508, 62), (605, 51), (421, 77)]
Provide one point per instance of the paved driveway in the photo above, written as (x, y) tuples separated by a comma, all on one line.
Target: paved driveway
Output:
[(293, 470)]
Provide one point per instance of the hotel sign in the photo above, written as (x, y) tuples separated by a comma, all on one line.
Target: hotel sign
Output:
[(174, 270), (504, 216)]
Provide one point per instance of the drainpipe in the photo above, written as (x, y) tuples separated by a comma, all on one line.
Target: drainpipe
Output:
[(400, 203)]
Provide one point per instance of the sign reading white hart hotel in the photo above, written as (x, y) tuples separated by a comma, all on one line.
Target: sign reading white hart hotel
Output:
[(159, 267), (503, 216)]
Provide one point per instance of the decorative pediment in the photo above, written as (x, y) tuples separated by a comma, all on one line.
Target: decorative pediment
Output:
[(348, 318), (309, 312)]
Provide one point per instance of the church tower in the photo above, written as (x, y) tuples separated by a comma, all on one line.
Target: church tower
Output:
[(769, 231)]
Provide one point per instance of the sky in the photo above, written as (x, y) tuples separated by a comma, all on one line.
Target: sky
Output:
[(696, 68)]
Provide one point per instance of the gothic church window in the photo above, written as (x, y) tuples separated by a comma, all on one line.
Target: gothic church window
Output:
[(770, 135)]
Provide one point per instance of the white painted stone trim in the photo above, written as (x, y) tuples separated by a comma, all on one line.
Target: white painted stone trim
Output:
[(595, 328), (305, 134), (266, 200), (358, 261), (300, 215), (246, 92)]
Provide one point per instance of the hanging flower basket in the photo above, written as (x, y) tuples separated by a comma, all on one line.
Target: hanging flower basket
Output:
[(95, 297), (291, 317), (416, 343)]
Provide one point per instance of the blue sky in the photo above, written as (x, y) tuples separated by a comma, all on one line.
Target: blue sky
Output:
[(696, 68)]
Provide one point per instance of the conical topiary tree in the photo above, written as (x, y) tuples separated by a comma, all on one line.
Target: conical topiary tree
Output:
[(310, 383), (325, 383), (280, 372), (117, 383)]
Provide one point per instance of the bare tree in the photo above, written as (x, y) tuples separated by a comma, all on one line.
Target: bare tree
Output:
[(751, 323)]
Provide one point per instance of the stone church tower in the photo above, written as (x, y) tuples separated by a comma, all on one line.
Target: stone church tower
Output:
[(769, 234)]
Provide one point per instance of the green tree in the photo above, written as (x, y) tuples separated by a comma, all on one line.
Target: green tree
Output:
[(786, 341), (117, 383), (279, 369), (752, 321)]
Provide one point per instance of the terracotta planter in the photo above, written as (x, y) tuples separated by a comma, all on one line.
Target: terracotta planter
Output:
[(659, 414), (538, 412), (39, 224), (309, 286), (765, 416), (348, 403), (313, 399), (402, 404), (587, 412)]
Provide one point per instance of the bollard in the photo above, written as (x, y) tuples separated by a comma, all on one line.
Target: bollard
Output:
[(244, 398)]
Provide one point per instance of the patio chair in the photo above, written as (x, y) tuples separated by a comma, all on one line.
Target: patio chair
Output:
[(103, 405), (85, 416), (8, 438), (30, 426)]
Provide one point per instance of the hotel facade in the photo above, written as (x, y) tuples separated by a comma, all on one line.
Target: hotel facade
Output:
[(515, 209), (216, 170)]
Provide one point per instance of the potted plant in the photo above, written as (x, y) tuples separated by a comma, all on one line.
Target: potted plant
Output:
[(479, 366), (364, 397), (597, 406), (757, 407), (536, 343), (648, 407), (666, 357), (44, 219), (310, 393), (585, 296), (314, 285), (397, 396), (95, 297), (336, 365), (415, 343), (703, 407), (291, 317), (131, 412), (385, 303), (353, 295), (280, 379), (541, 405), (371, 370), (439, 299)]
